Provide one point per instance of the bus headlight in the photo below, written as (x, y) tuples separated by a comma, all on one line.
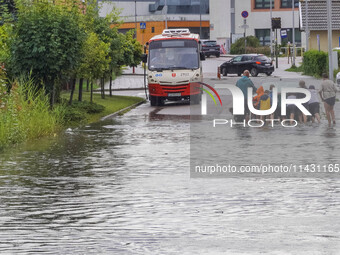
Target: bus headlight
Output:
[(195, 77)]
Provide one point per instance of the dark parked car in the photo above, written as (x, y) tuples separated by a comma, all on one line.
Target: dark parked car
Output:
[(255, 63), (210, 47)]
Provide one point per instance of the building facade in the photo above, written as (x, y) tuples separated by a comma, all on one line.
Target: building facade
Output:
[(220, 20), (226, 25), (159, 14), (317, 18)]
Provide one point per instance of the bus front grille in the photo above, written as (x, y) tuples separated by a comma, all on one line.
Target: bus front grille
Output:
[(174, 88)]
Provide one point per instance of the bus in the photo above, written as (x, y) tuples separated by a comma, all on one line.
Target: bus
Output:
[(174, 67)]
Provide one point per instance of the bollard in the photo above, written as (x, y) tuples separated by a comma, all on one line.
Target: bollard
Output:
[(219, 73)]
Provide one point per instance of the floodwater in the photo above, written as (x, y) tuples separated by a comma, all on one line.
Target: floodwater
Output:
[(123, 186)]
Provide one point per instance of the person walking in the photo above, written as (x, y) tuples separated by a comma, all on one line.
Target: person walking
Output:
[(314, 104), (328, 93), (244, 83), (302, 117)]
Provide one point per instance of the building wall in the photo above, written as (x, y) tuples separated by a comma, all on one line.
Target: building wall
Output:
[(156, 27), (220, 18), (313, 42), (220, 27), (260, 18)]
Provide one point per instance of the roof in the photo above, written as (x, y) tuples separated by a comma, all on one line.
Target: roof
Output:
[(179, 33), (317, 14)]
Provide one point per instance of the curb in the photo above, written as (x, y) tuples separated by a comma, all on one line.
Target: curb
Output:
[(122, 110), (122, 89)]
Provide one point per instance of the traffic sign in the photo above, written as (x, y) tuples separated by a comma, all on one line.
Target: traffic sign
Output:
[(245, 14), (142, 25), (283, 33)]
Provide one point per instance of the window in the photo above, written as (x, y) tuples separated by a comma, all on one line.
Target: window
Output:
[(152, 29), (263, 35), (237, 59), (288, 3), (263, 4)]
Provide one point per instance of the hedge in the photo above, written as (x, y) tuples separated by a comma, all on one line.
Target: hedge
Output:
[(315, 63)]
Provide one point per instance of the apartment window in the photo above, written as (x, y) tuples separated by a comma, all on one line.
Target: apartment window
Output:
[(288, 3), (263, 35), (263, 4)]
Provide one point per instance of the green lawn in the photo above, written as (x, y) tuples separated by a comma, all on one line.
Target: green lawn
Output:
[(111, 104)]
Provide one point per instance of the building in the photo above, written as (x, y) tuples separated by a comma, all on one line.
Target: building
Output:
[(317, 23), (226, 23), (159, 14)]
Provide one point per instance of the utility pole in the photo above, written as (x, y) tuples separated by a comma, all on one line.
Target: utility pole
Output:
[(330, 36), (200, 19), (135, 18), (166, 14), (306, 29), (135, 34), (271, 30), (293, 10), (245, 38)]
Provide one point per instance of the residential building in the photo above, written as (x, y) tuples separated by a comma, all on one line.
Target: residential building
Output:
[(317, 19)]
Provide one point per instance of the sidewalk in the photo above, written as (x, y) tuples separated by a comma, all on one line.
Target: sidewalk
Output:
[(128, 80)]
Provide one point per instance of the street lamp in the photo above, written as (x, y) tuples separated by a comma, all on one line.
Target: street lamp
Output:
[(293, 10), (166, 14), (135, 18), (200, 19), (271, 31), (306, 29), (330, 35)]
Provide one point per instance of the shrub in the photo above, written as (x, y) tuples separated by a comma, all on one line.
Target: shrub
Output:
[(265, 50), (78, 111), (315, 63), (88, 107), (238, 46), (74, 114)]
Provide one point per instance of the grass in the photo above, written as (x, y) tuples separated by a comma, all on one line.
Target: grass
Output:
[(111, 104), (25, 114), (295, 69)]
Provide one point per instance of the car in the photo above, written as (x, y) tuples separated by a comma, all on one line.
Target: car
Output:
[(255, 63), (210, 47)]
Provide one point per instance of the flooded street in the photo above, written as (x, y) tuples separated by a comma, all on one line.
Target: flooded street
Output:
[(122, 187)]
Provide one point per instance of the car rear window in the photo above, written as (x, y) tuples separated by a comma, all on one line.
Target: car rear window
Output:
[(261, 58), (210, 43)]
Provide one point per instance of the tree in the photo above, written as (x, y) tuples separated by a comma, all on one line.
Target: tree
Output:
[(5, 31), (48, 41), (95, 59), (7, 10)]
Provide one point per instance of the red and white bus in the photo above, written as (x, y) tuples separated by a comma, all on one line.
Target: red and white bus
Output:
[(174, 66)]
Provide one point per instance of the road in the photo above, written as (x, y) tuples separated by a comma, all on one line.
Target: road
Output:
[(123, 186), (210, 66)]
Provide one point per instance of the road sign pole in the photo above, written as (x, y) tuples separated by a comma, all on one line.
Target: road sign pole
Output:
[(245, 38), (276, 50), (330, 36)]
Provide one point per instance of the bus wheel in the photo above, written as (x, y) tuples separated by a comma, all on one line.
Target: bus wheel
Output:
[(156, 101), (153, 101)]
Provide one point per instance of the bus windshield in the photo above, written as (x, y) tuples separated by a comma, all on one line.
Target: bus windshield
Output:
[(173, 54)]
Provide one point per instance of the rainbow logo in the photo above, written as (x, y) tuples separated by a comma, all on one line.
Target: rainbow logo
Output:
[(209, 93)]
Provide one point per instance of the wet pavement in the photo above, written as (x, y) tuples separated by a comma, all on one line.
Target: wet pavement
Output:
[(123, 186)]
